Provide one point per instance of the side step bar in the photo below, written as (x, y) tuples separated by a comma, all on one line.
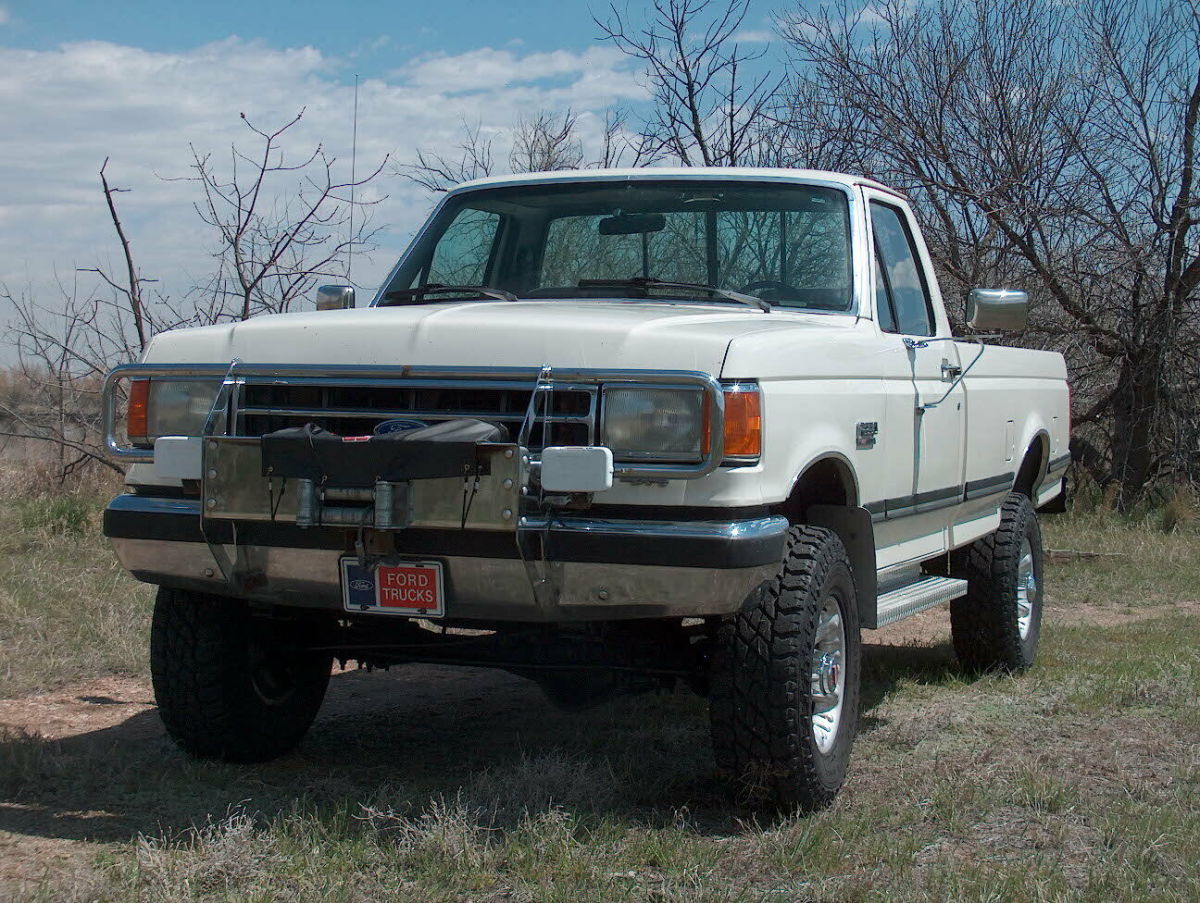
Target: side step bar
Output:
[(898, 604)]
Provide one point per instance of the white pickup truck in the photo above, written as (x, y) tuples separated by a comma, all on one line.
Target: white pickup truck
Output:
[(609, 430)]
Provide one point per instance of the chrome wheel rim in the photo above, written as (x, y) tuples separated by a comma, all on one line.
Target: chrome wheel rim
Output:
[(828, 675), (1027, 589)]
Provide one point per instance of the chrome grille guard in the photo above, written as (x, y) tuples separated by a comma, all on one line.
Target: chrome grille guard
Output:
[(541, 382), (527, 512)]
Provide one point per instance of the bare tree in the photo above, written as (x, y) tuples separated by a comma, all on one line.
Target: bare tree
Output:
[(542, 142), (437, 173), (545, 142), (62, 355), (132, 289), (707, 109), (275, 245), (1045, 140)]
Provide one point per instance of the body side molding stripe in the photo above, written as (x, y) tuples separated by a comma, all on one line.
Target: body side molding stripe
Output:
[(935, 499)]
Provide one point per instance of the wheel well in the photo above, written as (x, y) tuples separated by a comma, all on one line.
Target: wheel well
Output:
[(826, 495), (1031, 468), (825, 482)]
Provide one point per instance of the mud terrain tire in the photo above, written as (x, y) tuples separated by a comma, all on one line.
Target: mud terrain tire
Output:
[(229, 685), (996, 625), (766, 676)]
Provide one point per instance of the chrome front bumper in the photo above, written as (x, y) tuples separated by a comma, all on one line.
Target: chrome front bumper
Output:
[(586, 569)]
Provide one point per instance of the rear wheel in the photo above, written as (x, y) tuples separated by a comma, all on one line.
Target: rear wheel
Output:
[(229, 685), (785, 677), (997, 624)]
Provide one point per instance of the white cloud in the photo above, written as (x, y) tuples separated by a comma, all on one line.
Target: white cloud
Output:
[(486, 69), (67, 109), (754, 36)]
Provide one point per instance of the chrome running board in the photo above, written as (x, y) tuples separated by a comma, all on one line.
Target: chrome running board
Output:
[(907, 600)]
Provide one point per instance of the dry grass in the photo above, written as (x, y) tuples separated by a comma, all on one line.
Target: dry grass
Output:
[(67, 610), (1076, 781)]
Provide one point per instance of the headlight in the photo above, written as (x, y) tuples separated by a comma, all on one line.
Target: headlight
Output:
[(168, 407), (653, 424)]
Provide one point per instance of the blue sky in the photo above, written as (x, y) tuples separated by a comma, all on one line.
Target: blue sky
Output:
[(143, 83), (373, 36)]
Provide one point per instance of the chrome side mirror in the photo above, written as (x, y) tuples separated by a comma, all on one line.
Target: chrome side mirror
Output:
[(1003, 309), (335, 297)]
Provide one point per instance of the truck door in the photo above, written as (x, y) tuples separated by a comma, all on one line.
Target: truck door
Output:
[(926, 416)]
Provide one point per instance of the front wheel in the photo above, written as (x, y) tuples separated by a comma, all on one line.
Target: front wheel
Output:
[(996, 625), (231, 686), (785, 677)]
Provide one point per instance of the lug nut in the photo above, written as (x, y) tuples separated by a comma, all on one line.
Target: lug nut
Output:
[(506, 514)]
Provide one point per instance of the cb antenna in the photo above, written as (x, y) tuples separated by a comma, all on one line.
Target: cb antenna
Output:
[(353, 179)]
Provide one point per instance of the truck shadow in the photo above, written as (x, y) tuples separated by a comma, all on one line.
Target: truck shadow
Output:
[(885, 666), (401, 741)]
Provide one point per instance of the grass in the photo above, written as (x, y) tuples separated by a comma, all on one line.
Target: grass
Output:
[(67, 610), (1076, 781), (1141, 565)]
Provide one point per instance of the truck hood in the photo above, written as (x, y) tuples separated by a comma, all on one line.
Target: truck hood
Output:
[(563, 333)]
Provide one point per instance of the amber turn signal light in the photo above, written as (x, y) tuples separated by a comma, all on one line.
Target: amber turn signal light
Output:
[(743, 425), (137, 417)]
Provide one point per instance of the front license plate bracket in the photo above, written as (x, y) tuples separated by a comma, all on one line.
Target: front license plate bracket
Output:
[(410, 588)]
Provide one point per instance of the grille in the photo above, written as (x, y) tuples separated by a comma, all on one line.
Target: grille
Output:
[(354, 410)]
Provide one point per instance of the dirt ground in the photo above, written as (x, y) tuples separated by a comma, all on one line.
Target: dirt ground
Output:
[(114, 716)]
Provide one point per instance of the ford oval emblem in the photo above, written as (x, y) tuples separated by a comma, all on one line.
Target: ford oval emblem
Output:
[(398, 426), (362, 585)]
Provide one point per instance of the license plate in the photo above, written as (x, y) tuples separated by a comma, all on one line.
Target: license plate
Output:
[(411, 588)]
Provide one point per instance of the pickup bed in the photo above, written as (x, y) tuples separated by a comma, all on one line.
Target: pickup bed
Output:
[(610, 430)]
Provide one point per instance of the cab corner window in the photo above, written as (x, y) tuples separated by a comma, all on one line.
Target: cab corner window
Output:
[(902, 296)]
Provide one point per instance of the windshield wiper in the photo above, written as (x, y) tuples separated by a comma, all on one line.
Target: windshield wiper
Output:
[(436, 288), (648, 282)]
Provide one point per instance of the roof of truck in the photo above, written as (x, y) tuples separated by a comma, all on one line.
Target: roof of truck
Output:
[(676, 172)]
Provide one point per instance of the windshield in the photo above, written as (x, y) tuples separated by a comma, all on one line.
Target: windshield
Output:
[(787, 244)]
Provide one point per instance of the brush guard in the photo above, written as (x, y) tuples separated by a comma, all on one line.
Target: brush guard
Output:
[(498, 488)]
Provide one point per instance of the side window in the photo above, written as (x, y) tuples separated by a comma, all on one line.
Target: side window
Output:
[(465, 249), (884, 309), (901, 275)]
